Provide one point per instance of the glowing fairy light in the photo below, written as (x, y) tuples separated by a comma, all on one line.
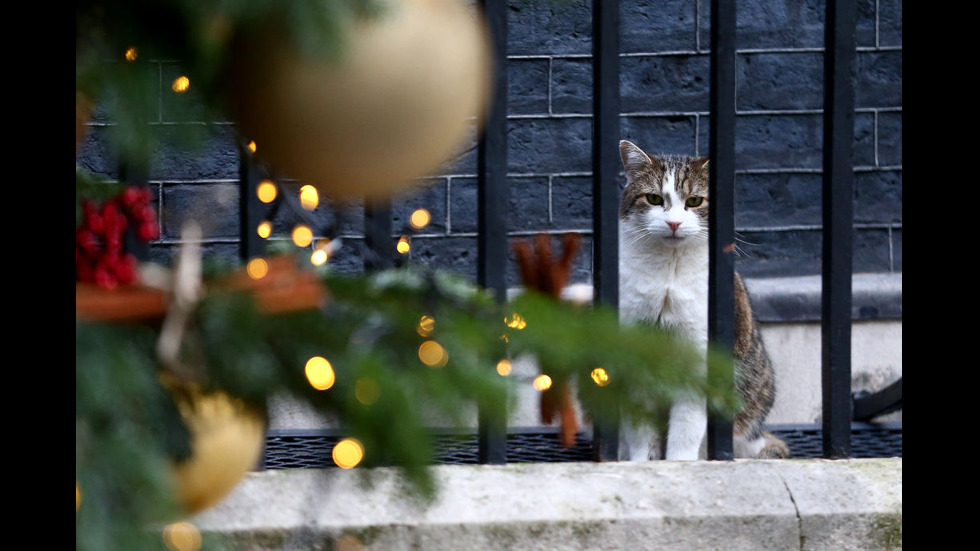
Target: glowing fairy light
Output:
[(308, 197), (427, 324), (251, 146), (403, 246), (264, 230), (182, 536), (504, 367), (267, 191), (320, 373), (433, 354), (131, 54), (542, 383), (515, 321), (367, 391), (600, 376), (302, 235), (348, 453), (420, 219), (257, 268), (322, 252), (181, 84)]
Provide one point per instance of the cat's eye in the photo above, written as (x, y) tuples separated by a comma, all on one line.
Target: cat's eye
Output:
[(694, 201), (655, 199)]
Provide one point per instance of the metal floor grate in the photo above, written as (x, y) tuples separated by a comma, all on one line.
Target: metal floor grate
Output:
[(311, 449)]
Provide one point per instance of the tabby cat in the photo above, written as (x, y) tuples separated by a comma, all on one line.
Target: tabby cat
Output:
[(663, 282)]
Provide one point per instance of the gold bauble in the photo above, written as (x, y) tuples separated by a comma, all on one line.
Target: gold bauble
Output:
[(226, 440), (410, 87)]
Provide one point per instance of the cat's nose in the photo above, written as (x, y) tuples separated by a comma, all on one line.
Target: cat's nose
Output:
[(674, 225)]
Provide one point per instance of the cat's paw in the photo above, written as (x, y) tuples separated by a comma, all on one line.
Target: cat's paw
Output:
[(774, 448)]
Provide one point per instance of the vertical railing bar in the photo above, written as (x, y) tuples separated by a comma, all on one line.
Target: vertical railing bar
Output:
[(378, 253), (838, 223), (250, 210), (605, 191), (250, 215), (493, 198), (721, 217)]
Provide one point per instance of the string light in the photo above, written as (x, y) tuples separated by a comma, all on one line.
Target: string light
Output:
[(367, 391), (265, 229), (515, 321), (427, 324), (320, 373), (308, 197), (251, 146), (181, 84), (348, 453), (600, 377), (302, 235), (504, 367), (433, 354), (257, 268), (182, 536), (542, 383), (403, 245), (131, 54), (267, 191), (420, 219)]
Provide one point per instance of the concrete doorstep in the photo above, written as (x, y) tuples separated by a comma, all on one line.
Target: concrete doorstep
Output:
[(807, 504)]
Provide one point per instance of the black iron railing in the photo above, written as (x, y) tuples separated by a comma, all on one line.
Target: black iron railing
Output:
[(840, 409)]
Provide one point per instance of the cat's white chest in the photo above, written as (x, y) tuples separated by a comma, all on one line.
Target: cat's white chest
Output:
[(666, 287)]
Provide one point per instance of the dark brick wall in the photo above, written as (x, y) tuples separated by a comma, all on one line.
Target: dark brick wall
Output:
[(664, 88)]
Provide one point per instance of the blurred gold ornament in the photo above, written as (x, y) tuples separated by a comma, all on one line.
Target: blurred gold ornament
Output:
[(226, 442), (411, 85)]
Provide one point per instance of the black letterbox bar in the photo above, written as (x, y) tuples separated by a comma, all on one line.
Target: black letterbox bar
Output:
[(838, 218), (605, 188), (492, 190), (721, 233)]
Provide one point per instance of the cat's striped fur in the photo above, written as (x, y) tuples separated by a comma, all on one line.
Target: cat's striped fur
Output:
[(664, 282)]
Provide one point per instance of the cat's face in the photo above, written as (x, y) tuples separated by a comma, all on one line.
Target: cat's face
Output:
[(666, 198)]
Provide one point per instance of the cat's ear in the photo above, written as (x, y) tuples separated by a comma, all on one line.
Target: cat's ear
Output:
[(699, 164), (634, 159)]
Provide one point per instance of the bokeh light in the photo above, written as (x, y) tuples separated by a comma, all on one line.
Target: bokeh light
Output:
[(600, 376), (182, 536), (515, 321), (403, 246), (264, 230), (420, 219), (131, 54), (367, 391), (322, 252), (542, 382), (181, 84), (302, 235), (427, 324), (348, 453), (78, 496), (433, 354), (504, 367), (257, 268), (251, 146), (320, 373), (308, 197), (267, 191)]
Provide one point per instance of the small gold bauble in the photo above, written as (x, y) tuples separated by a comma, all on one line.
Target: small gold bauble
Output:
[(226, 441)]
